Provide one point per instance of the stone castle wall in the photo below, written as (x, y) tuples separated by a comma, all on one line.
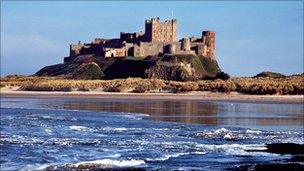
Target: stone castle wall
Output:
[(159, 38)]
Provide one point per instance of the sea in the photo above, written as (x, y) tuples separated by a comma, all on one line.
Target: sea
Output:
[(68, 133)]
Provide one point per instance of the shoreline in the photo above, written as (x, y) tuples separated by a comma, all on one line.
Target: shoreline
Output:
[(202, 96)]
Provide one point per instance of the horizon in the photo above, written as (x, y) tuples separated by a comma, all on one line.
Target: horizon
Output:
[(269, 35)]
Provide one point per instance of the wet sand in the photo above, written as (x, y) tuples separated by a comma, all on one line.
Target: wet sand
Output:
[(207, 96)]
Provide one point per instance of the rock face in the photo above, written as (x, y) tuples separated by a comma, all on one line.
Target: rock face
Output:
[(88, 71), (127, 67), (173, 72), (176, 67), (285, 148), (179, 68)]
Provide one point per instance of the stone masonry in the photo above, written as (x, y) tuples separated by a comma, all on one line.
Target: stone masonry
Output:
[(159, 38)]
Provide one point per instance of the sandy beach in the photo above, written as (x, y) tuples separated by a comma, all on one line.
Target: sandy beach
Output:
[(202, 95)]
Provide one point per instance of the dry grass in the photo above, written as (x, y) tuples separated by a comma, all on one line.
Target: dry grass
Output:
[(18, 80), (179, 87), (292, 85)]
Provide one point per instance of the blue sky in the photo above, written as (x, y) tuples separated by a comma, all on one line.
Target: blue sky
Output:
[(251, 36)]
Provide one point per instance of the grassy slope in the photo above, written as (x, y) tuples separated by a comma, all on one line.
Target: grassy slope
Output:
[(206, 66)]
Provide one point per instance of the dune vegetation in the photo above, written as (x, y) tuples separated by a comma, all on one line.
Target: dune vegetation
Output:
[(289, 85)]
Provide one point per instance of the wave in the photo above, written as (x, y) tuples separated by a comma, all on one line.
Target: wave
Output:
[(242, 134), (106, 163), (25, 140), (250, 131), (168, 156), (80, 128), (48, 130), (237, 149), (119, 129), (84, 165), (37, 167)]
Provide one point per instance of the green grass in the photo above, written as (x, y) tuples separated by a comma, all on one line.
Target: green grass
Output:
[(211, 66)]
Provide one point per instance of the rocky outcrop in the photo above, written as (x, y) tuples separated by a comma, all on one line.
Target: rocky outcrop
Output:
[(176, 67), (285, 148), (171, 68), (88, 71), (126, 67), (294, 163), (64, 69), (76, 69), (184, 68), (172, 72), (270, 74)]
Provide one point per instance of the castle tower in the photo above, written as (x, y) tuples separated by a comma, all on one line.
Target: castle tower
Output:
[(185, 44), (208, 38), (157, 31), (75, 49)]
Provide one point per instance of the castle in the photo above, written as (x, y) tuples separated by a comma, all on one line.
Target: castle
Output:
[(159, 38)]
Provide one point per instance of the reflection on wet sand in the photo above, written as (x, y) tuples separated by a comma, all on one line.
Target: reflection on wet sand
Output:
[(203, 112)]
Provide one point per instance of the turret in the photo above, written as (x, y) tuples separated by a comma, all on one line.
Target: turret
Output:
[(185, 44), (208, 38), (75, 49)]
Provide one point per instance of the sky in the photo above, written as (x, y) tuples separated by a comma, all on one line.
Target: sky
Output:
[(250, 36)]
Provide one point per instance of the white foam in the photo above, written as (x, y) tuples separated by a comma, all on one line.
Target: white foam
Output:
[(116, 155), (35, 167), (80, 128), (127, 114), (111, 163), (48, 130), (237, 149), (230, 136), (221, 130), (298, 140), (249, 131), (120, 129), (167, 156), (160, 129), (114, 129), (136, 116)]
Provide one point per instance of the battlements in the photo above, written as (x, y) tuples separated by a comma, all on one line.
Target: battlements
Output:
[(208, 33), (156, 19), (159, 37), (157, 31)]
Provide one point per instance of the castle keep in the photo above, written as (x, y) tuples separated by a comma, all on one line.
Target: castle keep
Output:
[(159, 38)]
